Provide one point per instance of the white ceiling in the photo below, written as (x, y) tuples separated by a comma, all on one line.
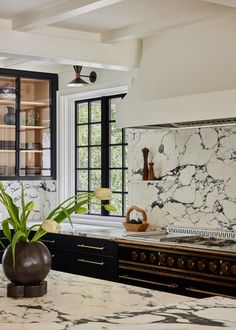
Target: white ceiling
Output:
[(104, 21)]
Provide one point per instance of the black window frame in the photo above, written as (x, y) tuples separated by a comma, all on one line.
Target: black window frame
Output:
[(106, 144)]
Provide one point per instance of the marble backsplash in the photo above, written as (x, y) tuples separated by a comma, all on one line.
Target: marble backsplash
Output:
[(43, 193), (196, 177)]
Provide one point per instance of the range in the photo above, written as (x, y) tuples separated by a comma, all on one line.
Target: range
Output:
[(191, 265)]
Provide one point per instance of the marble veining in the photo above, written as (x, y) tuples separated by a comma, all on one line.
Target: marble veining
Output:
[(196, 177), (78, 302), (43, 193)]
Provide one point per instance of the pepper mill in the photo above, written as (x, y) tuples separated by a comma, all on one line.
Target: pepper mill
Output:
[(145, 163), (151, 175)]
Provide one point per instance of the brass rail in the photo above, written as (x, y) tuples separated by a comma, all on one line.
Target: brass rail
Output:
[(91, 262), (100, 248)]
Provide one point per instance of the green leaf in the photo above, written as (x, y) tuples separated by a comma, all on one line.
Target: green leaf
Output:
[(15, 239), (6, 229), (81, 210), (109, 207), (2, 245)]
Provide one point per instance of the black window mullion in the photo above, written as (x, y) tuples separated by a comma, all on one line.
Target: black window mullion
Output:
[(105, 159), (17, 132), (89, 142)]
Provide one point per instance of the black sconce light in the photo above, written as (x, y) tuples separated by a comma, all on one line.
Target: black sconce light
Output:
[(78, 81)]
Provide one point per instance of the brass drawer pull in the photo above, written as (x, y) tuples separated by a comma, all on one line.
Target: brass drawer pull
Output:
[(47, 241), (173, 285), (91, 262), (100, 248), (210, 293)]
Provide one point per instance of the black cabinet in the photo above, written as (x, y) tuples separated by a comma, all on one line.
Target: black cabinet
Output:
[(5, 243), (86, 256), (27, 125)]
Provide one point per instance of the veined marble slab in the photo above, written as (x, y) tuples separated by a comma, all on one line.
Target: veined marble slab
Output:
[(77, 302)]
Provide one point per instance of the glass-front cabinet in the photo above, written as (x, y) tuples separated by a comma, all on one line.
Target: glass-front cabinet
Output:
[(27, 125)]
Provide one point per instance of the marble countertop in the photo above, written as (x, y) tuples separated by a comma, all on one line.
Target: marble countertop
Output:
[(77, 302)]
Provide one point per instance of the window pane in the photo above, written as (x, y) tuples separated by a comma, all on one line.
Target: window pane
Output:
[(96, 111), (117, 202), (82, 157), (113, 104), (95, 154), (95, 134), (115, 134), (95, 179), (82, 180), (126, 203), (116, 156), (82, 135), (94, 209), (126, 135), (126, 156), (82, 113), (126, 180), (116, 180)]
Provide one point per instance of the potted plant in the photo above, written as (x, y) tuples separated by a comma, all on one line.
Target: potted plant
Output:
[(27, 261)]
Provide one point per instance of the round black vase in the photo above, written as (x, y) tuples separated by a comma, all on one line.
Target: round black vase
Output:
[(32, 265), (10, 117)]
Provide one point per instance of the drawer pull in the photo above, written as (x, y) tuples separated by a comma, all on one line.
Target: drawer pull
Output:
[(47, 241), (3, 237), (173, 285), (207, 292), (91, 262), (100, 248), (52, 255)]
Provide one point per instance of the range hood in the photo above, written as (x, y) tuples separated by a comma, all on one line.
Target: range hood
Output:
[(187, 78)]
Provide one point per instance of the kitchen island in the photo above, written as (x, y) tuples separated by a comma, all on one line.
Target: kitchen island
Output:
[(78, 302)]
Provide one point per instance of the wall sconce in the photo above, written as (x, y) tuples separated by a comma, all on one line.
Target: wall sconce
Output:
[(78, 81)]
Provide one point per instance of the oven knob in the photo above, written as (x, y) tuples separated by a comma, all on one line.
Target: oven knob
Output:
[(143, 256), (225, 268), (191, 263), (162, 259), (134, 255), (213, 266), (181, 262), (170, 261), (152, 258), (202, 265), (233, 270)]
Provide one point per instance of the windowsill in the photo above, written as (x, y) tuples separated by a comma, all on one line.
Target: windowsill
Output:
[(97, 220)]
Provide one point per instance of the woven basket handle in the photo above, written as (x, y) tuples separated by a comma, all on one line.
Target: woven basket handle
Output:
[(137, 209)]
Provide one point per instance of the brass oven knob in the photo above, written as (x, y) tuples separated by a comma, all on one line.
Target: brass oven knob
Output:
[(233, 270), (162, 259), (170, 261), (181, 262), (202, 265), (152, 258), (213, 266), (143, 256), (134, 255), (225, 268), (191, 263)]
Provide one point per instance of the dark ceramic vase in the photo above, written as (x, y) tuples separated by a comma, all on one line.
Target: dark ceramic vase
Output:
[(10, 117), (32, 263)]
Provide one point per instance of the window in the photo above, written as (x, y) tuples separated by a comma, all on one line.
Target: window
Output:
[(101, 152)]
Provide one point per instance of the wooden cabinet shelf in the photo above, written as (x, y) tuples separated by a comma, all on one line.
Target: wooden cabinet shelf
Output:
[(28, 125)]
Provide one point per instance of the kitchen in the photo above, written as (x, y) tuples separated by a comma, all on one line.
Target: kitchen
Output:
[(175, 72)]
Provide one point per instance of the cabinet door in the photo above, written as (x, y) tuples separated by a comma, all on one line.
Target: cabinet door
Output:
[(61, 261), (35, 127), (7, 126)]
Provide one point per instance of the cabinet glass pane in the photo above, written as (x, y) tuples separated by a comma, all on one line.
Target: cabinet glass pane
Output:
[(7, 126), (82, 113), (96, 111), (35, 134)]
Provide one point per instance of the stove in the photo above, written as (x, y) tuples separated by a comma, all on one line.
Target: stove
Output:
[(191, 264)]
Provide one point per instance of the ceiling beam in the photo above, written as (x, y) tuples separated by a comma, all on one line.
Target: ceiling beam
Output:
[(66, 50), (229, 3), (166, 23), (58, 12)]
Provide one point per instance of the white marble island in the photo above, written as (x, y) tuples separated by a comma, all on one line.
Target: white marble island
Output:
[(77, 302)]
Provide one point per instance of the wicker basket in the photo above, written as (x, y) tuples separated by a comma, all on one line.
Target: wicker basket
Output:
[(135, 226)]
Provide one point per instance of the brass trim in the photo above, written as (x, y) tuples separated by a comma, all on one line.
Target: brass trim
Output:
[(178, 276), (91, 262), (47, 241), (209, 293), (163, 247), (100, 248), (173, 269), (173, 285)]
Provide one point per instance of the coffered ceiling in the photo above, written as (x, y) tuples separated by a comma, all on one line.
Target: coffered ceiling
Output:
[(97, 33)]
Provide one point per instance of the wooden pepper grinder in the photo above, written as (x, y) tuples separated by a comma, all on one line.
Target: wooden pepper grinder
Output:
[(151, 175), (145, 163)]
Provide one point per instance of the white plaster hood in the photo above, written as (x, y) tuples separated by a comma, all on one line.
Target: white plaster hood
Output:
[(187, 77)]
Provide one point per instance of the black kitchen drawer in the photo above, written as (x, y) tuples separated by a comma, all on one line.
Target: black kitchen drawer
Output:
[(56, 241), (61, 261), (97, 266), (93, 245)]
